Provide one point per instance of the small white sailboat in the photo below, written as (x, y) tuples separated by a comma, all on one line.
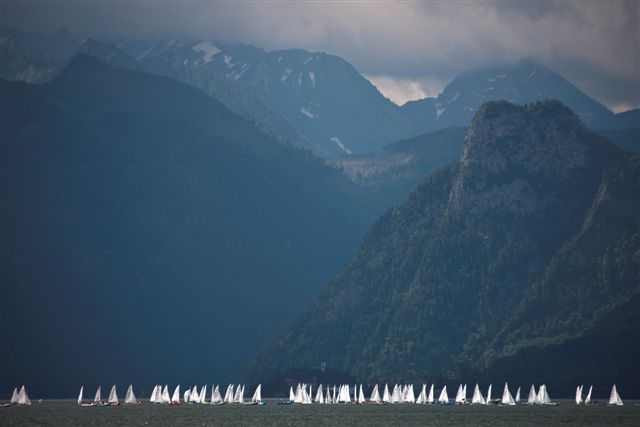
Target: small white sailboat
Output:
[(186, 396), (579, 395), (489, 394), (130, 397), (23, 397), (533, 396), (587, 400), (518, 395), (228, 394), (614, 397), (386, 396), (175, 397), (507, 398), (216, 397), (164, 396), (113, 397), (431, 396), (395, 394), (292, 396), (543, 396), (375, 395), (203, 395), (477, 398), (14, 396), (256, 399), (459, 400), (443, 399), (361, 399), (194, 396), (80, 395), (422, 396), (97, 399)]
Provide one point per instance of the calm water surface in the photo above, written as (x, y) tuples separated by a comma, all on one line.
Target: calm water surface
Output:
[(66, 413)]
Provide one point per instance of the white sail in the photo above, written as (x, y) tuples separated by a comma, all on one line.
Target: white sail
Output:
[(411, 396), (533, 396), (257, 395), (386, 397), (518, 395), (203, 394), (113, 396), (194, 396), (154, 394), (129, 396), (507, 398), (546, 400), (444, 397), (431, 397), (98, 397), (23, 397), (228, 394), (80, 395), (327, 396), (459, 400), (237, 397), (422, 396), (175, 397), (477, 398), (292, 396), (14, 396), (489, 394), (361, 398), (186, 396), (587, 400), (614, 397), (164, 397), (579, 395), (216, 397), (395, 394), (375, 395)]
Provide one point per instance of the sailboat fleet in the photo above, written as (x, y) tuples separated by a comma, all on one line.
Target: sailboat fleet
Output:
[(304, 394)]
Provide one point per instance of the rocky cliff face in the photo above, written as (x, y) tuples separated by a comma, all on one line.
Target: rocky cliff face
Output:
[(531, 238)]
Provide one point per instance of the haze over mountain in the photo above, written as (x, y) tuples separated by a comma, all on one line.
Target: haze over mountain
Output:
[(526, 252), (154, 235)]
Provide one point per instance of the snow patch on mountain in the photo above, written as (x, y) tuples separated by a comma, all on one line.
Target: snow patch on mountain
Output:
[(312, 77), (308, 113), (340, 144), (208, 49)]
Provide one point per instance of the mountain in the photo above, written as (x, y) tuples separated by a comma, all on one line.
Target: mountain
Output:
[(628, 119), (394, 172), (315, 100), (527, 247), (153, 235), (522, 82), (34, 57)]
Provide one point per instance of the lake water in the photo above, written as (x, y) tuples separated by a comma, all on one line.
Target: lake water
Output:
[(66, 413)]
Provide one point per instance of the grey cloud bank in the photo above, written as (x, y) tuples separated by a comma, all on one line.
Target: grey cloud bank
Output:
[(410, 49)]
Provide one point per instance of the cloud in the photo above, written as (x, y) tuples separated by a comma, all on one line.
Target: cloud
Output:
[(594, 43)]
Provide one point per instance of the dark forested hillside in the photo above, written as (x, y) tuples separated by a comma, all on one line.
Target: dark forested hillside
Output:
[(151, 235), (529, 244)]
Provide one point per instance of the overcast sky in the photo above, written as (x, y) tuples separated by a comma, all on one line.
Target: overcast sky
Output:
[(408, 49)]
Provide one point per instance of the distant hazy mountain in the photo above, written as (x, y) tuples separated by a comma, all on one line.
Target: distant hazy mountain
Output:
[(34, 57), (394, 172), (154, 235), (312, 99), (523, 82), (529, 245)]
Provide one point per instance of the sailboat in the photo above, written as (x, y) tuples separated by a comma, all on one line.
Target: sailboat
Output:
[(175, 397), (422, 396), (361, 399), (587, 400), (477, 398), (23, 397), (614, 397), (97, 399), (216, 397), (186, 396), (203, 395), (14, 396), (444, 397), (386, 396), (579, 395), (533, 396), (431, 397), (113, 397), (518, 395), (489, 394), (507, 398), (459, 399), (130, 397), (543, 396), (256, 399), (375, 395)]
